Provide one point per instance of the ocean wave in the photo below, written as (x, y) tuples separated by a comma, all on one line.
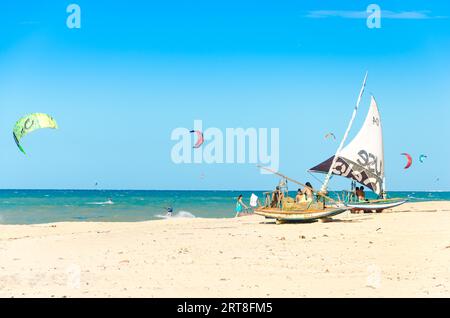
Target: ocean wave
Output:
[(79, 217), (109, 202), (178, 215)]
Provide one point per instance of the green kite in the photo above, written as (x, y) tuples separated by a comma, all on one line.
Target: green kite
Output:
[(30, 123)]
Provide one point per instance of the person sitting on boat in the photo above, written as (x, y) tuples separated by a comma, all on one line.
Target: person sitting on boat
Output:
[(361, 194), (277, 197), (353, 194), (357, 192), (305, 195), (308, 191), (240, 205), (300, 197)]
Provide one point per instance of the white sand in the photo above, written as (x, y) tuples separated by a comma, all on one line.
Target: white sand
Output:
[(394, 254)]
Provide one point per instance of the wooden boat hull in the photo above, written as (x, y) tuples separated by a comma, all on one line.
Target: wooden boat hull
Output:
[(374, 206), (298, 216)]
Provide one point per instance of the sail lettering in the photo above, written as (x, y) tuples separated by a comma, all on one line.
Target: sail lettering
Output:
[(357, 176), (374, 183), (376, 121), (339, 168), (370, 162), (349, 169), (359, 171)]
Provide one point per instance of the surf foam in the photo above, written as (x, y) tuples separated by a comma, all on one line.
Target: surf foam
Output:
[(101, 203), (178, 215)]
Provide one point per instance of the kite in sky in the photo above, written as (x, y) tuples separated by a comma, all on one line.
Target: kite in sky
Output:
[(30, 123), (200, 139), (422, 158), (409, 160)]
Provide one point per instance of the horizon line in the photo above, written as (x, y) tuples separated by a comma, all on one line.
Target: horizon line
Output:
[(216, 190)]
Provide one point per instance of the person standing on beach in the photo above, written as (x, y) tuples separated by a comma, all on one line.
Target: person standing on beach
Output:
[(240, 205)]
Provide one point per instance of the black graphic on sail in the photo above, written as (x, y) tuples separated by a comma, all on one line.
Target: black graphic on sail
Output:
[(363, 158)]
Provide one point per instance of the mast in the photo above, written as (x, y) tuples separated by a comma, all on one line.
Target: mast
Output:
[(324, 187)]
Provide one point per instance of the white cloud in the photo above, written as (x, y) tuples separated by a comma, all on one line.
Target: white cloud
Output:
[(385, 14)]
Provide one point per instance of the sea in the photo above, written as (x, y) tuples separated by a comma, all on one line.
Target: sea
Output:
[(48, 206)]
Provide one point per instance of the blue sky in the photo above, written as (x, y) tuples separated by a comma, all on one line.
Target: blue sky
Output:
[(138, 69)]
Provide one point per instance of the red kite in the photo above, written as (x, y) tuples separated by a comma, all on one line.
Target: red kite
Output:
[(200, 138), (409, 158)]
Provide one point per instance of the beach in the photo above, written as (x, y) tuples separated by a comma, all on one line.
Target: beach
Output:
[(404, 252)]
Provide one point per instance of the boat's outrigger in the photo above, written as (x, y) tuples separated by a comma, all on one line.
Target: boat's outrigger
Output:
[(375, 205)]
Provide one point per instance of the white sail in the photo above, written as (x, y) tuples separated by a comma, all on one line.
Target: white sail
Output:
[(363, 158)]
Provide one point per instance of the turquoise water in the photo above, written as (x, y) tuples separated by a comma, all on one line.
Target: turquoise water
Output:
[(44, 206)]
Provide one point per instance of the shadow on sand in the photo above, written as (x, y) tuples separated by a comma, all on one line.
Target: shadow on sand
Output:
[(274, 221)]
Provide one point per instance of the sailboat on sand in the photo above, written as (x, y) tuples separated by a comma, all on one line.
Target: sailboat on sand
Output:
[(362, 160)]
